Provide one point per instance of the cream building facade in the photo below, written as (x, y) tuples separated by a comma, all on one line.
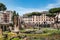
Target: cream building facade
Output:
[(5, 19), (38, 19)]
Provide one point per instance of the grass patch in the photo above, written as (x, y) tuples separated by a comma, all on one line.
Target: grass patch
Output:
[(15, 39)]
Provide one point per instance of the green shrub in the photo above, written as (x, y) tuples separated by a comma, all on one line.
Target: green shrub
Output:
[(15, 39)]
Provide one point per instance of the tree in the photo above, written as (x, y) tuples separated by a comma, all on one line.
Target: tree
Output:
[(14, 14), (51, 15), (34, 13), (17, 14), (2, 7), (55, 11)]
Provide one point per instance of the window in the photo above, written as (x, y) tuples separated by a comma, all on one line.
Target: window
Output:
[(47, 19), (33, 18), (6, 21), (33, 22), (36, 20), (52, 20), (39, 22)]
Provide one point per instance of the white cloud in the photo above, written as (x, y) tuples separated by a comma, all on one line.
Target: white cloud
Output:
[(57, 4), (50, 6), (22, 10)]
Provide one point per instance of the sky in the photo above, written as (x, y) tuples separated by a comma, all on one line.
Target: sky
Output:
[(27, 6)]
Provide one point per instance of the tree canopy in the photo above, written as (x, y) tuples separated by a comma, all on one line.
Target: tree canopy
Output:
[(51, 15), (54, 10), (15, 14), (34, 13), (2, 7)]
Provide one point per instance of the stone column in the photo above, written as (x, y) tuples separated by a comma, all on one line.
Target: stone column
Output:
[(6, 27), (0, 31), (3, 27), (0, 26)]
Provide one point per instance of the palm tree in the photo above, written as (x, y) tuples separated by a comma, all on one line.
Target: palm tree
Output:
[(55, 11), (2, 7)]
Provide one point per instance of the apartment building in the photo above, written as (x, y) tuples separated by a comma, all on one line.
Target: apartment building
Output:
[(57, 17), (5, 19), (42, 19), (57, 21)]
